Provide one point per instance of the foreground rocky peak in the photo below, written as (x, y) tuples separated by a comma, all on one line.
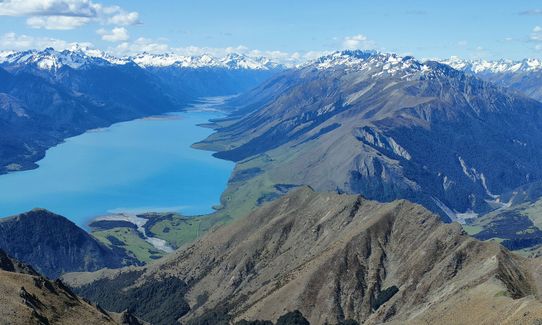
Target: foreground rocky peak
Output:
[(335, 258), (26, 297)]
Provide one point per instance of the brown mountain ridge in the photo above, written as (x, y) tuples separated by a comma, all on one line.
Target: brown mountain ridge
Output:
[(334, 258), (26, 297)]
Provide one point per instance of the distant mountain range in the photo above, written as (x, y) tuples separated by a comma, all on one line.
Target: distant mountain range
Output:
[(524, 75), (499, 66), (81, 58), (47, 96)]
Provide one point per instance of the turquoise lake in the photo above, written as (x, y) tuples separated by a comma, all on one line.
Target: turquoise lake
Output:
[(136, 166)]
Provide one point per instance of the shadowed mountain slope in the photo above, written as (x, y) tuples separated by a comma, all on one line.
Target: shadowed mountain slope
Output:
[(54, 245), (387, 127)]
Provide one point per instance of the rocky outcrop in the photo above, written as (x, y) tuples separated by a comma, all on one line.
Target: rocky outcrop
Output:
[(29, 298)]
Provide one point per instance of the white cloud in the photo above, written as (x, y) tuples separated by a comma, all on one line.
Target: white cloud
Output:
[(12, 41), (141, 45), (480, 52), (66, 14), (311, 55), (80, 8), (57, 22), (531, 12), (536, 37), (356, 42), (536, 34), (117, 34), (125, 18)]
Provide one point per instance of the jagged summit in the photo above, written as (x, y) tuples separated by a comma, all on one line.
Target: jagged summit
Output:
[(50, 59), (347, 57), (379, 64), (232, 61)]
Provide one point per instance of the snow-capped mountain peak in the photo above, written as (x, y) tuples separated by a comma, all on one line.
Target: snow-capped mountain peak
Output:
[(50, 59), (497, 66), (231, 61), (240, 61), (377, 64), (79, 57), (341, 58), (4, 55), (146, 60)]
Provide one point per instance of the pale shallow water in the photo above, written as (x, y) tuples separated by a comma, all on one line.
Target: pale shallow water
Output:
[(136, 166)]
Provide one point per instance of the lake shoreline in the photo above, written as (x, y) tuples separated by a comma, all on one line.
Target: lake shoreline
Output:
[(189, 118)]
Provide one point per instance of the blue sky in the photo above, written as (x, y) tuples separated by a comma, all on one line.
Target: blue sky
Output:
[(284, 29)]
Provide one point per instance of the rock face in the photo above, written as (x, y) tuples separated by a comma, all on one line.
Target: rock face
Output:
[(336, 258), (54, 245), (28, 298), (387, 127)]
